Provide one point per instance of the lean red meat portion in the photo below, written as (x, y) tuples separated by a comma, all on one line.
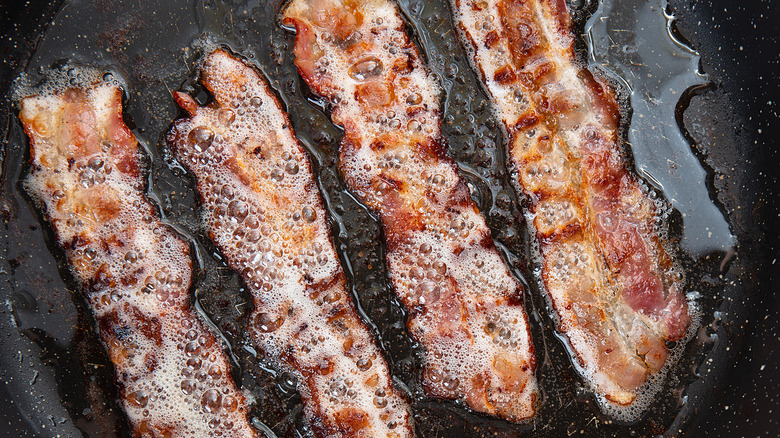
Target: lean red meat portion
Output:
[(616, 290), (464, 306), (262, 208), (135, 272)]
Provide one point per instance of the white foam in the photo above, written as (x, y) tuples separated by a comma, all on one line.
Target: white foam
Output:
[(262, 208), (462, 300), (134, 270), (549, 173)]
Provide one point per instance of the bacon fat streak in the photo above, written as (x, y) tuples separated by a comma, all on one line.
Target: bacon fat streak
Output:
[(264, 211), (464, 306), (135, 272), (617, 292)]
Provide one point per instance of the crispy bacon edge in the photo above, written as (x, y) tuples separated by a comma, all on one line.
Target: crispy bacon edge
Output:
[(347, 390), (538, 36), (505, 384), (138, 294)]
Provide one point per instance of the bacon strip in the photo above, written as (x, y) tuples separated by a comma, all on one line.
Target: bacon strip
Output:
[(135, 272), (616, 291), (464, 306), (263, 210)]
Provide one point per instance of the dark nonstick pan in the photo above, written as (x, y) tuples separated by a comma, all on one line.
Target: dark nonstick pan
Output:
[(57, 381)]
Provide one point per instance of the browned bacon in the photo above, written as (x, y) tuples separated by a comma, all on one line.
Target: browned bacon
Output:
[(135, 272), (616, 290), (464, 306), (263, 210)]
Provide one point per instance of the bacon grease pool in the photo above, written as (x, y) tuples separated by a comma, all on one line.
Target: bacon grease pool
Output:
[(58, 371)]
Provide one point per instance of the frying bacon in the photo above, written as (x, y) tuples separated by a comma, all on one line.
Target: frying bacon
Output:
[(263, 210), (464, 306), (616, 290), (135, 272)]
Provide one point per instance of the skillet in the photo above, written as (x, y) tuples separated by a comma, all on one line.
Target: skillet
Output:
[(57, 380)]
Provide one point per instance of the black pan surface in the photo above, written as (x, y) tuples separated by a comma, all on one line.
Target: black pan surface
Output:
[(58, 381)]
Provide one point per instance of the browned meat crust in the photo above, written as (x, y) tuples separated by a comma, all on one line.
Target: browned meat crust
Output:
[(464, 306), (617, 292), (174, 379), (263, 210)]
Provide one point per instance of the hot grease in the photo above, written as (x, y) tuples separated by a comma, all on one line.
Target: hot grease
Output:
[(263, 209), (135, 272)]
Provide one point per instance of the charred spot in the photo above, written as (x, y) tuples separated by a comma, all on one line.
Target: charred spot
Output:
[(129, 280), (436, 148), (541, 70), (491, 39), (150, 361), (351, 420), (257, 150), (404, 65), (337, 311), (563, 233), (486, 241), (102, 279), (413, 110), (150, 328), (109, 324), (526, 122), (302, 328), (378, 145), (374, 93), (328, 283), (324, 366), (394, 184), (505, 75)]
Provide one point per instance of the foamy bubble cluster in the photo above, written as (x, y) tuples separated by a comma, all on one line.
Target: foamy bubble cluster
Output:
[(135, 272), (607, 273), (262, 208), (463, 302)]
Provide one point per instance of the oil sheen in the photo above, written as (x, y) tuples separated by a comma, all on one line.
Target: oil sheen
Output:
[(153, 47)]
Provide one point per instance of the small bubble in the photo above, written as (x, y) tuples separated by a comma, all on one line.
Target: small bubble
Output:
[(226, 116), (229, 403), (195, 363), (363, 364), (277, 175), (192, 349), (211, 401), (309, 214), (201, 137), (414, 99), (291, 168), (188, 386), (451, 383), (267, 322), (238, 210), (215, 372), (131, 257), (337, 388), (380, 402), (138, 399), (365, 69)]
